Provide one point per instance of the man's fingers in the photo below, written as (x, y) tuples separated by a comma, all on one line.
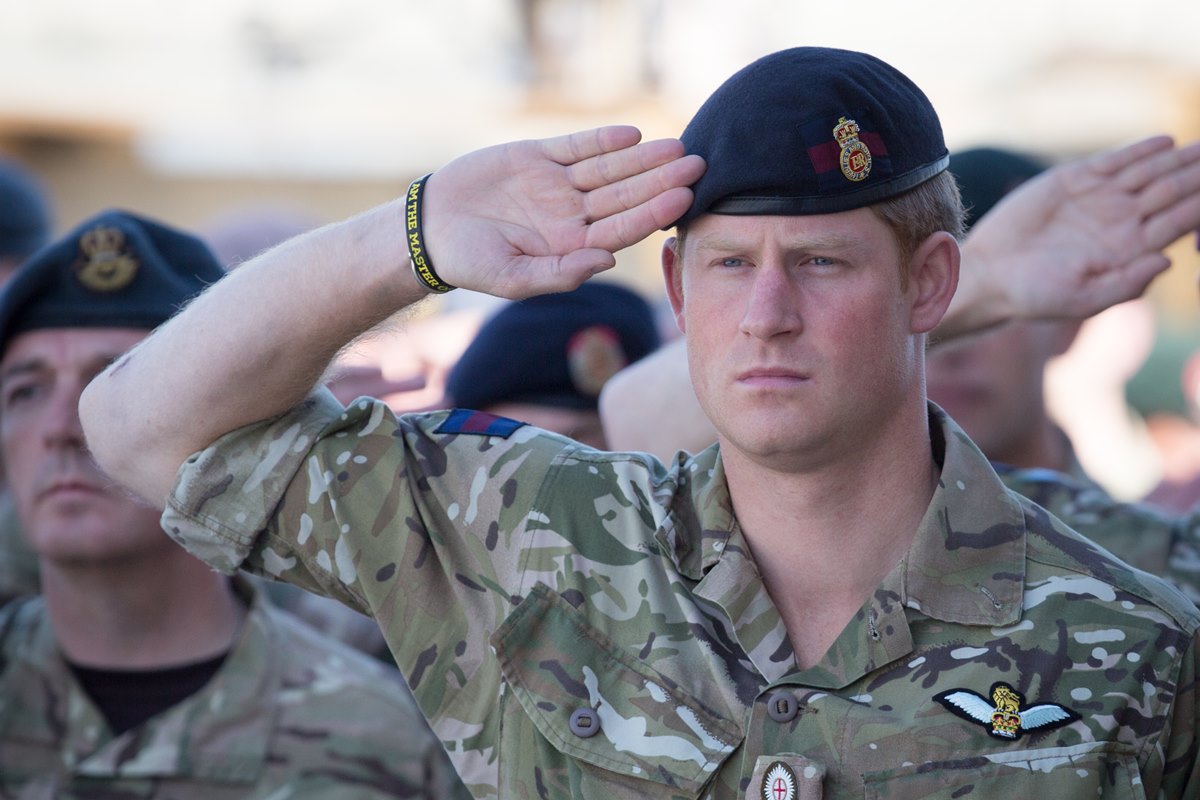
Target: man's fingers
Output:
[(578, 266), (1128, 158), (1110, 288), (640, 188), (1139, 273), (613, 167), (576, 147), (1178, 181), (1177, 220), (618, 231), (529, 276), (1144, 172)]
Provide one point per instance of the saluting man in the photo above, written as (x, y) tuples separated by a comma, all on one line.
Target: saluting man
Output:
[(803, 610)]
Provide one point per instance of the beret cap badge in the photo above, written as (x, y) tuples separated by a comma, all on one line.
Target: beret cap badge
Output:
[(855, 155), (105, 265), (594, 355), (812, 130)]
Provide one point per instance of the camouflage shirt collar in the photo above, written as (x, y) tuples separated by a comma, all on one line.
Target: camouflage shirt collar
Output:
[(967, 562), (697, 541), (177, 742)]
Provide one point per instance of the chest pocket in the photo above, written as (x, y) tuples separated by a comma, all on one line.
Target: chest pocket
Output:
[(1092, 769), (607, 721)]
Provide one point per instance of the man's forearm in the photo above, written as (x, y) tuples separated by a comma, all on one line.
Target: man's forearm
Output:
[(514, 220), (249, 348)]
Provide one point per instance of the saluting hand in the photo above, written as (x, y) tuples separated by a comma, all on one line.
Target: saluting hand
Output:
[(1088, 234), (534, 217)]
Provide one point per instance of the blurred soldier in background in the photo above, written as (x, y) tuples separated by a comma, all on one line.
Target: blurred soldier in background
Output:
[(139, 670)]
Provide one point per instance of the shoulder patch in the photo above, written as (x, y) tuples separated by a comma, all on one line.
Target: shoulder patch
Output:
[(779, 782), (478, 423)]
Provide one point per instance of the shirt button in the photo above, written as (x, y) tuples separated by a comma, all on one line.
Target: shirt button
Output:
[(584, 723), (782, 706)]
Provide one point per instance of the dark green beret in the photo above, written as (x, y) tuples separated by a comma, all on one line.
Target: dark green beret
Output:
[(24, 211), (812, 130), (115, 270), (554, 350), (986, 174)]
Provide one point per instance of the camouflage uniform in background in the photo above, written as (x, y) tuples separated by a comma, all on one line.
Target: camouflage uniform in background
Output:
[(1146, 537), (18, 565), (587, 624), (290, 714)]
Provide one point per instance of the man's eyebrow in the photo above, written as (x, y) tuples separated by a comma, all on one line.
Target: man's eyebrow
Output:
[(20, 368), (722, 243), (36, 364)]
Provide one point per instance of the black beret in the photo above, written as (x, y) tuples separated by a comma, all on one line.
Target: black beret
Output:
[(555, 349), (986, 174), (24, 211), (812, 130), (115, 270)]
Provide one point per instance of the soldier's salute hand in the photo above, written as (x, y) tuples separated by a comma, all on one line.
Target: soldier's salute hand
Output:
[(1080, 237), (534, 217), (514, 220)]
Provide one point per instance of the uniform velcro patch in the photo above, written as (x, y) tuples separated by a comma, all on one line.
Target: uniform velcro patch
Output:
[(478, 423)]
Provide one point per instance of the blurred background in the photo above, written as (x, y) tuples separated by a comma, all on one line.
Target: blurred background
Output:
[(249, 120)]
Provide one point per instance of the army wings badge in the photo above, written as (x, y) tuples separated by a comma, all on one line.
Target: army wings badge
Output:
[(1004, 716)]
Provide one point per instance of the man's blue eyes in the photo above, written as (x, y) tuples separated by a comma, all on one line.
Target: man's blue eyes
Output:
[(817, 261)]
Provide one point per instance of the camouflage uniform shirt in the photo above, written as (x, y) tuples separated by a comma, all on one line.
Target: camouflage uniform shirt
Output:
[(1142, 535), (289, 714), (18, 566), (588, 624)]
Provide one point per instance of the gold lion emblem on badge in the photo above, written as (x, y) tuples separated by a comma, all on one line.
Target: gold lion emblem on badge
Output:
[(105, 265), (856, 157)]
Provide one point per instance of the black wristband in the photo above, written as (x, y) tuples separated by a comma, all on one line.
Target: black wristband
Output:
[(418, 256)]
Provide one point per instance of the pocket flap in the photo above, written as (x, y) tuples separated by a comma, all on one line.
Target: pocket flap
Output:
[(558, 667)]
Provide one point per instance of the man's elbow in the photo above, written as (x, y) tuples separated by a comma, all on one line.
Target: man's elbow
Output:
[(122, 449)]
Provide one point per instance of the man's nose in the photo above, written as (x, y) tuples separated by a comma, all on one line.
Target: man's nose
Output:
[(61, 421), (772, 304)]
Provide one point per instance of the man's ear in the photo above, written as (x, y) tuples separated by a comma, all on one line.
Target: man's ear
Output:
[(672, 268), (933, 277)]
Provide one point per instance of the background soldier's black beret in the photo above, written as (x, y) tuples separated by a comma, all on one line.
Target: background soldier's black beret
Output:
[(24, 211), (986, 174), (554, 349), (114, 270), (812, 130)]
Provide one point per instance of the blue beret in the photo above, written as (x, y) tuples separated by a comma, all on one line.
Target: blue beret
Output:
[(24, 212), (986, 174), (115, 270), (554, 350), (812, 130)]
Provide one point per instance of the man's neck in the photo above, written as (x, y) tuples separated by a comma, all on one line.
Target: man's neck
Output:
[(140, 614), (824, 539)]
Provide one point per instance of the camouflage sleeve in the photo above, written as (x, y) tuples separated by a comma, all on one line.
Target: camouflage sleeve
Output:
[(1183, 558), (1181, 749), (1139, 534), (224, 495), (413, 520)]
